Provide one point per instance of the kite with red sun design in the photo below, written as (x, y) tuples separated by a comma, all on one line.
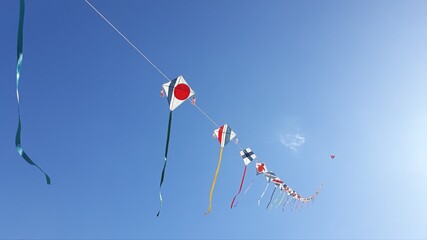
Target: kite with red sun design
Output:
[(177, 91)]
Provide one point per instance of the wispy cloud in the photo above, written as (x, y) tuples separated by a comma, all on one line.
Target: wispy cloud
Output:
[(292, 141)]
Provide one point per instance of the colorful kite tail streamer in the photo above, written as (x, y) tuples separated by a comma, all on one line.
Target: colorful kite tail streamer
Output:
[(287, 199), (281, 200), (214, 181), (272, 194), (24, 155), (20, 56), (297, 206), (262, 195), (250, 185), (165, 162), (240, 189)]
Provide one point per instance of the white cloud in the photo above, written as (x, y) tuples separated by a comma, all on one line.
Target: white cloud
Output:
[(292, 141)]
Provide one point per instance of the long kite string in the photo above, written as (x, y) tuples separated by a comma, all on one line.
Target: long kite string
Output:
[(18, 75), (125, 38), (240, 188), (214, 181), (166, 161)]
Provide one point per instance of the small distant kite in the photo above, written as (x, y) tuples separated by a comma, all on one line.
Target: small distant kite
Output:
[(248, 156), (332, 156), (278, 183)]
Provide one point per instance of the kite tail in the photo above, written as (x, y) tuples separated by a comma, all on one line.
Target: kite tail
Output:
[(292, 204), (298, 198), (165, 162), (240, 189), (214, 181), (297, 205), (20, 56), (287, 199), (281, 200), (262, 195), (272, 194), (250, 185)]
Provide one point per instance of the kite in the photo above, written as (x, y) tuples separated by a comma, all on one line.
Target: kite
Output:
[(259, 168), (269, 175), (277, 182), (282, 188), (224, 134), (18, 75), (332, 156), (177, 91), (248, 156)]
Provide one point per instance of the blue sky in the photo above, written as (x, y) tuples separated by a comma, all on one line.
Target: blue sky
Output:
[(349, 77)]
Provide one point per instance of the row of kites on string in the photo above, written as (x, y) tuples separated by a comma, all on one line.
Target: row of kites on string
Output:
[(178, 91)]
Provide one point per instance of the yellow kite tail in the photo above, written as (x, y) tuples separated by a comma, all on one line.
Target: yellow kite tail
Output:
[(214, 181)]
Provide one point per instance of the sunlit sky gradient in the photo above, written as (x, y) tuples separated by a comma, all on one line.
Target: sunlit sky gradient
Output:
[(349, 77)]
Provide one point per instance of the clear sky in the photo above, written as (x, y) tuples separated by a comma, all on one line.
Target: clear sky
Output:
[(296, 80)]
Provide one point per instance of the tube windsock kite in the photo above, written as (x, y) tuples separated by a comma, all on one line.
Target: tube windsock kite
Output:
[(177, 91), (224, 134)]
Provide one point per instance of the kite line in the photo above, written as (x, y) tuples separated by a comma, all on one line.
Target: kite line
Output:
[(125, 38), (144, 56)]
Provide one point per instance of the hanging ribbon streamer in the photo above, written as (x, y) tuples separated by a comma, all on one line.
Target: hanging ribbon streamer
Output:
[(281, 200), (18, 75), (262, 195), (276, 200), (272, 194), (214, 181), (166, 161), (249, 187), (240, 189), (287, 199)]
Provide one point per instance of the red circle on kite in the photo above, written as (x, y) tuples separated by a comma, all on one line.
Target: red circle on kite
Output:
[(181, 91)]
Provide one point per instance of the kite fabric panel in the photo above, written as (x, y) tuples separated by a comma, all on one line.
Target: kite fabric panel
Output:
[(247, 155), (224, 134), (20, 55), (260, 168), (177, 91)]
